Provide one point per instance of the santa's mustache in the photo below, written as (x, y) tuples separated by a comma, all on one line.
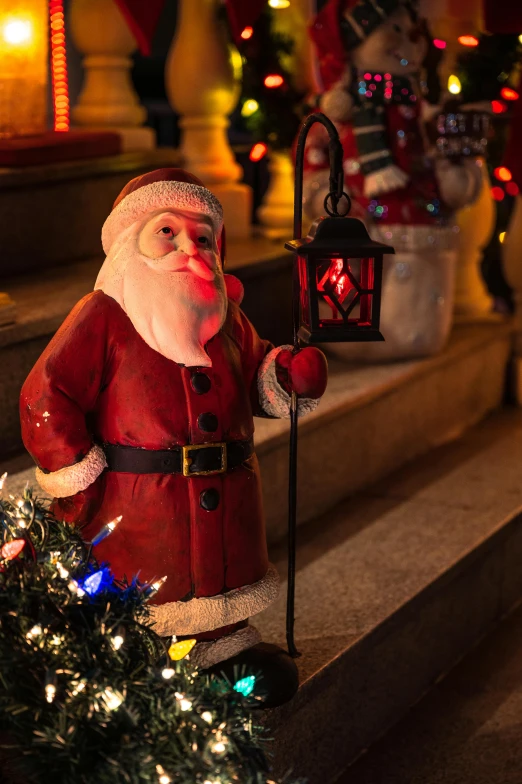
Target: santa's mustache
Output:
[(177, 261)]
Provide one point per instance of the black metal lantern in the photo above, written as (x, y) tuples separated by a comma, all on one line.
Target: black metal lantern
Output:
[(338, 276), (336, 297)]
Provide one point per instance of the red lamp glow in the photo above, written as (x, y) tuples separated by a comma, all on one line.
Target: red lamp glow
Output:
[(12, 549), (468, 40), (273, 80), (498, 107), (508, 94), (258, 151), (502, 173), (247, 33), (59, 66)]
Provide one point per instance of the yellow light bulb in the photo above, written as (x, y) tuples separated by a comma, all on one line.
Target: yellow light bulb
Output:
[(520, 38), (454, 85), (278, 3), (250, 107), (502, 236), (178, 650), (17, 31)]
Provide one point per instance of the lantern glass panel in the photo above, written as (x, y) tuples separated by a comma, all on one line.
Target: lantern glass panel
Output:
[(304, 292), (345, 288)]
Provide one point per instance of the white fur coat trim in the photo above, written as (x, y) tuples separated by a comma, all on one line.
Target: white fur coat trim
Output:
[(158, 195), (206, 654), (274, 400), (75, 478), (213, 612)]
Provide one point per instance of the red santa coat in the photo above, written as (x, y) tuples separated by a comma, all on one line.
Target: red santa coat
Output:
[(97, 382)]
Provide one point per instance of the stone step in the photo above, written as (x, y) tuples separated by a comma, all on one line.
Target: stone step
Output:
[(392, 589), (468, 729), (371, 421)]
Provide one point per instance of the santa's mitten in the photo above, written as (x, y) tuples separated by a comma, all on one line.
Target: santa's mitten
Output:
[(282, 372), (389, 178), (304, 373)]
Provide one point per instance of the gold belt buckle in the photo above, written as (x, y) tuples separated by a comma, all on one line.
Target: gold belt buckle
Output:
[(187, 460)]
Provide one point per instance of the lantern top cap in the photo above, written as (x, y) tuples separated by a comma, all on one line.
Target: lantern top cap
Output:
[(346, 236)]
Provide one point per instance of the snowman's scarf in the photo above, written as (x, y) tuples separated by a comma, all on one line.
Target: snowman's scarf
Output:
[(372, 93)]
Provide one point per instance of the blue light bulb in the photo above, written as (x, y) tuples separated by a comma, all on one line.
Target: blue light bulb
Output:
[(93, 583)]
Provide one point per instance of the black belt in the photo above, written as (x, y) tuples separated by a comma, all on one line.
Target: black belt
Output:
[(189, 460)]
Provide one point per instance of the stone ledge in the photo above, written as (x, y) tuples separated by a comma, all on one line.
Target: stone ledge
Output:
[(393, 589)]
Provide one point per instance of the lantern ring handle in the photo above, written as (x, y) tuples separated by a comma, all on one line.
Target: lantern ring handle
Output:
[(334, 212)]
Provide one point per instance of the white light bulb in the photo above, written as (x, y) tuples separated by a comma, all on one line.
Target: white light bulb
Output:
[(207, 716), (168, 673), (2, 480), (34, 632), (117, 642), (113, 523), (164, 778), (62, 571), (50, 692), (112, 699), (17, 31), (184, 704)]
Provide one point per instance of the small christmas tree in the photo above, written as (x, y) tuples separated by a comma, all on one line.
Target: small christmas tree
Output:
[(272, 108), (89, 694)]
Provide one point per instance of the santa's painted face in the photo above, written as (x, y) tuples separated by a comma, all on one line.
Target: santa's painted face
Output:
[(397, 46), (166, 274)]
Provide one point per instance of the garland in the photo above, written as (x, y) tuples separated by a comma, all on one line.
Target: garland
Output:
[(89, 694)]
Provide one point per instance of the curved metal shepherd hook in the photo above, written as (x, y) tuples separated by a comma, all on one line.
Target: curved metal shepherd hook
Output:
[(334, 196)]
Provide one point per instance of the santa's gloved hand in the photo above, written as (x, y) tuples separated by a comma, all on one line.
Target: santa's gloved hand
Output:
[(304, 373)]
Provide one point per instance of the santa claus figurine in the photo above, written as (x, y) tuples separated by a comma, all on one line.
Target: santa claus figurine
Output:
[(371, 56), (142, 405)]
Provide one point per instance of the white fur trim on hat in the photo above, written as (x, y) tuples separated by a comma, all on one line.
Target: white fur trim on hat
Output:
[(275, 401), (158, 195), (206, 654), (213, 612), (75, 478)]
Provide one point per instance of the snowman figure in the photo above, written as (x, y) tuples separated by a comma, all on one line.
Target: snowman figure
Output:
[(371, 54)]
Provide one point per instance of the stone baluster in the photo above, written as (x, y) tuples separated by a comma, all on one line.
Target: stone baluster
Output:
[(202, 77), (277, 210), (512, 261), (108, 100), (476, 224)]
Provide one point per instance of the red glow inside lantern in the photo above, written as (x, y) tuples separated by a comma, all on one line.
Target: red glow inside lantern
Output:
[(508, 94), (273, 80), (498, 107), (340, 277), (258, 151), (468, 40), (12, 549)]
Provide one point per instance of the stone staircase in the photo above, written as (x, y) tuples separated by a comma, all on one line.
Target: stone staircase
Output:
[(397, 576)]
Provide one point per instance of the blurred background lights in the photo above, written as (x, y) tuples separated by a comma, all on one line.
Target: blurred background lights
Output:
[(454, 85), (16, 32)]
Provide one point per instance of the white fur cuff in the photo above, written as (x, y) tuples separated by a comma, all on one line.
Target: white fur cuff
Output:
[(206, 654), (213, 612), (75, 478), (274, 400)]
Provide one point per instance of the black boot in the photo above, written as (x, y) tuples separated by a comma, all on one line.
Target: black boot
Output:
[(276, 677)]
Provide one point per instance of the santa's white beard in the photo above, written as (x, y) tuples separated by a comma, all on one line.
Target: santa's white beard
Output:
[(175, 312)]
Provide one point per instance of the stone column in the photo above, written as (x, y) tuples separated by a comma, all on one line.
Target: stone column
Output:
[(512, 260), (277, 210), (108, 100), (476, 224), (202, 77)]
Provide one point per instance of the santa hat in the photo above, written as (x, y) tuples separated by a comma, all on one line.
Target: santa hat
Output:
[(339, 27), (162, 189)]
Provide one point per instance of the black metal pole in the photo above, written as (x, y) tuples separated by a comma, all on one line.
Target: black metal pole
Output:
[(336, 192)]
